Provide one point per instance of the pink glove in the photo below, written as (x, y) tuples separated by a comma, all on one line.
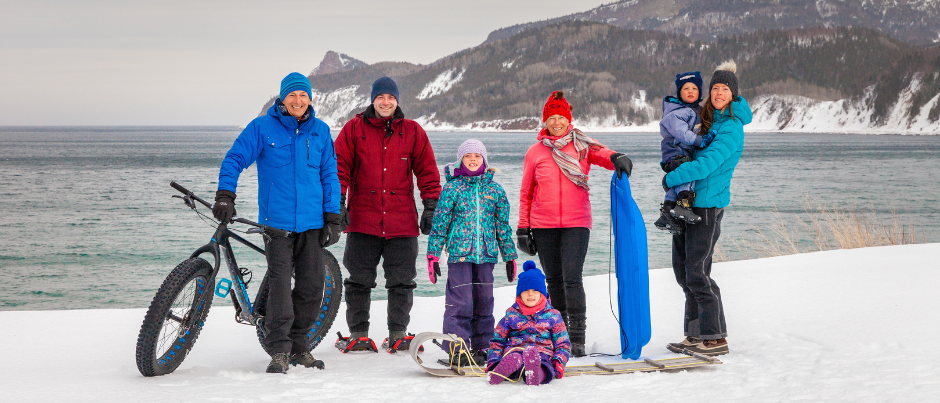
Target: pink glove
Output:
[(434, 268), (559, 370)]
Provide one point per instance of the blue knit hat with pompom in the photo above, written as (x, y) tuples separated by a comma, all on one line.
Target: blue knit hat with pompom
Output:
[(531, 278)]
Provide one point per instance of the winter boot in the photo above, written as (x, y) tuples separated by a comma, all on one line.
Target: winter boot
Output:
[(279, 364), (576, 330), (398, 341), (683, 209), (710, 347), (665, 221), (684, 344), (306, 359), (533, 366), (355, 342), (507, 366)]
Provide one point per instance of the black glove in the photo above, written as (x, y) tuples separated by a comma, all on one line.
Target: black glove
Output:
[(525, 241), (511, 270), (622, 164), (665, 188), (674, 163), (331, 231), (224, 207), (427, 215), (343, 213)]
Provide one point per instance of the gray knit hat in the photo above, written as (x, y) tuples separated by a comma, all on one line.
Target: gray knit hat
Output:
[(725, 74), (471, 146)]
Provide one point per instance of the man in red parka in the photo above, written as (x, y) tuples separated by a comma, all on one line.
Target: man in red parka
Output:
[(377, 153)]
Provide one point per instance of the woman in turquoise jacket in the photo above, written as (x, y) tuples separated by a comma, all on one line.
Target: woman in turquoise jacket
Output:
[(724, 114), (472, 219)]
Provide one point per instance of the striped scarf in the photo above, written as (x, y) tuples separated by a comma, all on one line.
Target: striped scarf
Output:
[(568, 164)]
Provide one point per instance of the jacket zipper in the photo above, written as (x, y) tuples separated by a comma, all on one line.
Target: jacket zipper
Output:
[(479, 226), (308, 149)]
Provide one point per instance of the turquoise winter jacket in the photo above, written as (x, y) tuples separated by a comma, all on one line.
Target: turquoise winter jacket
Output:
[(472, 218), (712, 167)]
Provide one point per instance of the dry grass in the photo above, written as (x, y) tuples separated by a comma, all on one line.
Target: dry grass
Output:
[(823, 227)]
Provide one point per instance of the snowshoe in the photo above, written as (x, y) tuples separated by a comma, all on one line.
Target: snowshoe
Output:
[(402, 344), (347, 344)]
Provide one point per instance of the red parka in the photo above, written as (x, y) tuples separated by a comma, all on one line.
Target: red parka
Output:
[(548, 199), (375, 160)]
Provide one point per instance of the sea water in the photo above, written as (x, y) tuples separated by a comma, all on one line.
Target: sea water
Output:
[(89, 222)]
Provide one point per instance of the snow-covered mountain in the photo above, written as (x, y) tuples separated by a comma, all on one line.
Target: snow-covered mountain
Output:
[(916, 22), (810, 80)]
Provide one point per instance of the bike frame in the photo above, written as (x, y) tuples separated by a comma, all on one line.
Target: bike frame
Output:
[(220, 248), (220, 245)]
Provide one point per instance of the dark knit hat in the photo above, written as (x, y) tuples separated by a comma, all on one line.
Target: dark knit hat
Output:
[(295, 82), (556, 105), (693, 77), (384, 85), (531, 278), (724, 74)]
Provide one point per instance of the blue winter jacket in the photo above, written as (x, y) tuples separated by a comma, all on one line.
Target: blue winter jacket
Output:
[(678, 128), (713, 166), (297, 179)]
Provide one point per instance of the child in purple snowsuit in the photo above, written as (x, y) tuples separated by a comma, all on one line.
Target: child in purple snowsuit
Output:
[(531, 341), (678, 128), (472, 218)]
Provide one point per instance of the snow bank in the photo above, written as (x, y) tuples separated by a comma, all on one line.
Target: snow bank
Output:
[(846, 325)]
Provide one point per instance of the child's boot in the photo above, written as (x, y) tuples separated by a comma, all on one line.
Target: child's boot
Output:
[(510, 363), (683, 209), (665, 221), (533, 366)]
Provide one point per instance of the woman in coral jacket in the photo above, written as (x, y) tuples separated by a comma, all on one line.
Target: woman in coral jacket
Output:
[(555, 209)]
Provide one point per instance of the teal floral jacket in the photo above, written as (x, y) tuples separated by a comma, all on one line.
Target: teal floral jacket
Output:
[(472, 218)]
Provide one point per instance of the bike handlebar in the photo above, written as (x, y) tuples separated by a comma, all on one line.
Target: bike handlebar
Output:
[(272, 230)]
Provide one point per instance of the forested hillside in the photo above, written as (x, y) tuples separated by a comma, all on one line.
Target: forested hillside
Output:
[(616, 77)]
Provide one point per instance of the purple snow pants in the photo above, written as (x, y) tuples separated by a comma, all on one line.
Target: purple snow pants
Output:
[(468, 304)]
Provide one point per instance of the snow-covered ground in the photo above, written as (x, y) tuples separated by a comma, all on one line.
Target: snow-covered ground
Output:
[(845, 325)]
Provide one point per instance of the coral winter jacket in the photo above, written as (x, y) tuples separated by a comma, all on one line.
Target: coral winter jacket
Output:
[(549, 199)]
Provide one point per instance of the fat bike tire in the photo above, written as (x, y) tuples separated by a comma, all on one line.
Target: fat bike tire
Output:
[(332, 298), (175, 317)]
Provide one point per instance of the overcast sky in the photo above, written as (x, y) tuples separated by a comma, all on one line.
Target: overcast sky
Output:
[(215, 62)]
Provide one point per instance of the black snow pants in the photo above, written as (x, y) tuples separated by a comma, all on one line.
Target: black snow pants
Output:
[(361, 259), (290, 314), (692, 263)]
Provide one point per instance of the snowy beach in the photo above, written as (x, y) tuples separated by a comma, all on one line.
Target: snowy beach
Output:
[(843, 325)]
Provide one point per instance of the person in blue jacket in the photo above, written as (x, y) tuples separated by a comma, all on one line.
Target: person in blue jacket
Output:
[(724, 113), (298, 191)]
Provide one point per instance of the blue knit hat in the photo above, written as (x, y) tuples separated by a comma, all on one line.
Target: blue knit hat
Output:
[(531, 278), (295, 82), (384, 85), (693, 77)]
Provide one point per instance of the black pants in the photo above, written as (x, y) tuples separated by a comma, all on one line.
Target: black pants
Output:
[(361, 259), (290, 314), (561, 252), (692, 263)]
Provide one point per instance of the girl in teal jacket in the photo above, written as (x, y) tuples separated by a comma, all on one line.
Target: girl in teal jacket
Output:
[(724, 113), (472, 219)]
